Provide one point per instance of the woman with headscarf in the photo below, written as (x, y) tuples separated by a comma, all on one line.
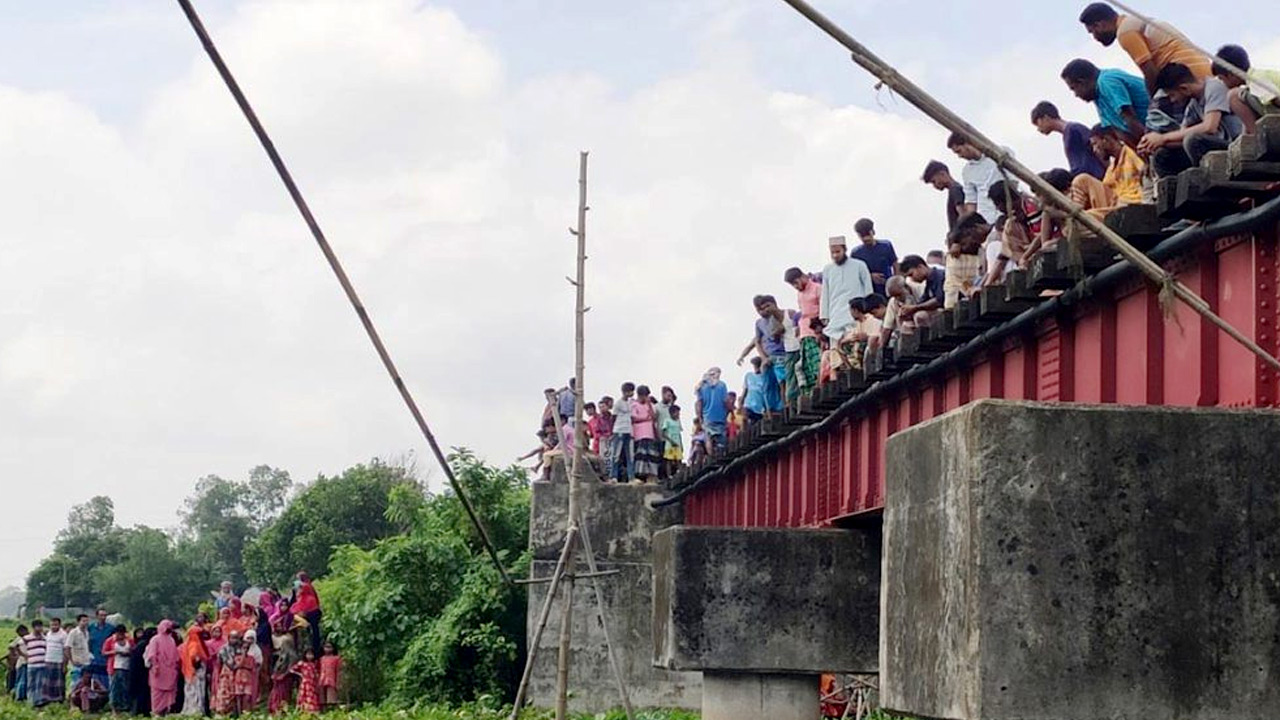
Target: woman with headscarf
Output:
[(254, 651), (163, 663), (214, 646), (224, 701), (139, 680), (195, 669), (263, 635), (285, 655), (307, 604)]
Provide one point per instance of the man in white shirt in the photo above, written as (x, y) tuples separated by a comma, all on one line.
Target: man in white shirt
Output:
[(78, 648), (979, 174), (845, 279), (55, 661)]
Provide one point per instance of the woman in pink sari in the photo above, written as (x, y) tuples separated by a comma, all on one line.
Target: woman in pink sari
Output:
[(214, 645), (163, 662)]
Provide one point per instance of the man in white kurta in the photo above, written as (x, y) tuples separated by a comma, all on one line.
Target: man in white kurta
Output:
[(843, 280)]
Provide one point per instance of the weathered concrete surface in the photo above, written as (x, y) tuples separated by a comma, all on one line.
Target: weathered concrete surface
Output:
[(1063, 562), (760, 697), (621, 526), (766, 601)]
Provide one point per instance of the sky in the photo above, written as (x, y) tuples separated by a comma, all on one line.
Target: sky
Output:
[(165, 315)]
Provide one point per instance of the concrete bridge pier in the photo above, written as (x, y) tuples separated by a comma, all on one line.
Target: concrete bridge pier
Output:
[(1059, 562), (763, 612)]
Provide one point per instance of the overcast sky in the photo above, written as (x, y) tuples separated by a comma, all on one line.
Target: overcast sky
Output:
[(165, 315)]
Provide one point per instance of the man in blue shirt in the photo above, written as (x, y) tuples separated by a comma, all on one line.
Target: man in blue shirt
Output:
[(933, 279), (98, 634), (1121, 98), (1075, 140), (879, 255), (712, 409)]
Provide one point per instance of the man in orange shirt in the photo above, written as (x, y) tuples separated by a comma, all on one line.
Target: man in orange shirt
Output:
[(1152, 46)]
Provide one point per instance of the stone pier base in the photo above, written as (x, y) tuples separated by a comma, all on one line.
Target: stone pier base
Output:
[(621, 526), (738, 696), (1065, 562), (763, 612)]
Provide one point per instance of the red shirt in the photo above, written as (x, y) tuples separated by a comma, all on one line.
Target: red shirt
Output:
[(307, 600), (109, 649)]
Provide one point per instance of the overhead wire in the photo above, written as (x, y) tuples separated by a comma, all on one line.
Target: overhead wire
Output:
[(331, 257)]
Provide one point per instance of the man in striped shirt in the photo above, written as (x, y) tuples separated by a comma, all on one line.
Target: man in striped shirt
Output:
[(35, 646)]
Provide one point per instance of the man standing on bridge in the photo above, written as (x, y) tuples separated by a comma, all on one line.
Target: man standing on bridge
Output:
[(843, 280)]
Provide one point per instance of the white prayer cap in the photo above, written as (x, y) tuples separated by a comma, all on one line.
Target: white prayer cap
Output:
[(837, 241)]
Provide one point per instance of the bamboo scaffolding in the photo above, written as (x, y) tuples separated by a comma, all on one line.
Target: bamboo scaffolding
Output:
[(576, 530), (1170, 286)]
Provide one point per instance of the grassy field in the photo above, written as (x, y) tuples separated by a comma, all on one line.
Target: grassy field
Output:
[(10, 710)]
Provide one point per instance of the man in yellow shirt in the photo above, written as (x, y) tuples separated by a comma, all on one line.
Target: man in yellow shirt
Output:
[(1122, 185), (1153, 46)]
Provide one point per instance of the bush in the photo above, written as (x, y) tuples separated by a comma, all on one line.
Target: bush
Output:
[(423, 616)]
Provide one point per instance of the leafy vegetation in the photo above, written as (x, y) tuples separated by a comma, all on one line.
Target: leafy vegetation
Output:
[(423, 616), (238, 530), (350, 509)]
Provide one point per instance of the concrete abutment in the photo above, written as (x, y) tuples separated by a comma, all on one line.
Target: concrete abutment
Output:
[(1064, 562)]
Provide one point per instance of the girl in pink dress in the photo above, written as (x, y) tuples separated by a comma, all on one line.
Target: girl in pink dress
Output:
[(330, 676)]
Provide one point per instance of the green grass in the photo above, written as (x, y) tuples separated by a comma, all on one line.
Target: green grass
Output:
[(10, 710)]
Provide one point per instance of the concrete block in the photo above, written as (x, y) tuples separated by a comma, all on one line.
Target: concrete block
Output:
[(621, 527), (766, 601), (760, 697), (628, 599), (618, 519), (1060, 562)]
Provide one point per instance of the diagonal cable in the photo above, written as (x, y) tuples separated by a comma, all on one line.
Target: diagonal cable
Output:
[(278, 162)]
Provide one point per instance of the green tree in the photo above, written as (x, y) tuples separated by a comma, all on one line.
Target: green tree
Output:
[(152, 581), (90, 540), (222, 517), (349, 509), (424, 615)]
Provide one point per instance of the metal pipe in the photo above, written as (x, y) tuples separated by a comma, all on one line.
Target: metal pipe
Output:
[(1238, 223)]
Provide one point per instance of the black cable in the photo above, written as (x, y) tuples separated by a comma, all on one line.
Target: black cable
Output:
[(336, 266)]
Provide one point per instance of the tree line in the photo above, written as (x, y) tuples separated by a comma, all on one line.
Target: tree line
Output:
[(408, 593)]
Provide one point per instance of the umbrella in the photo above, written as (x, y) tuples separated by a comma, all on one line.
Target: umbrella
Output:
[(251, 597)]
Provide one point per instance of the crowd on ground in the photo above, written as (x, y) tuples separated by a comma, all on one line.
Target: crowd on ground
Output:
[(1184, 104), (260, 651)]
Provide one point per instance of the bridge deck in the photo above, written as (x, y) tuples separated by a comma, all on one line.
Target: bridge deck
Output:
[(1105, 340)]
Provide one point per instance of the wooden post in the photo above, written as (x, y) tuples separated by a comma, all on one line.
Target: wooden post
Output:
[(579, 439)]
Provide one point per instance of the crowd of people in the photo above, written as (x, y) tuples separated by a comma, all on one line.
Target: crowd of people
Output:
[(260, 651), (1182, 106)]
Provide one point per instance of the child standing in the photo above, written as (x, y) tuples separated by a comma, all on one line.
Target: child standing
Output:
[(623, 451), (308, 675), (601, 426), (330, 676), (698, 446), (644, 431), (673, 452)]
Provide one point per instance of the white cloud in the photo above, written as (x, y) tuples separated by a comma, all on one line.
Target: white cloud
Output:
[(166, 314)]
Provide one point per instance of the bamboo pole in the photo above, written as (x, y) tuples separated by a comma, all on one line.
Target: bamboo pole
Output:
[(562, 664), (1238, 72), (601, 615), (543, 615), (1170, 287), (579, 437)]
